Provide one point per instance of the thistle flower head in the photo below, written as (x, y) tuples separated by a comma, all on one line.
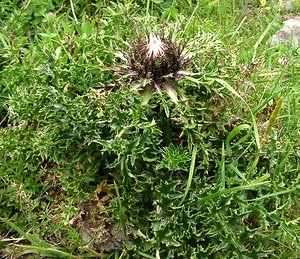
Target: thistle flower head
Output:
[(155, 47), (159, 60)]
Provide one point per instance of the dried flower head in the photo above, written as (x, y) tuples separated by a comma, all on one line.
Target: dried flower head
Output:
[(158, 60), (155, 47)]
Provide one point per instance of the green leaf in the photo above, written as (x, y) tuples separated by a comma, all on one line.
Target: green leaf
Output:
[(233, 133), (170, 11)]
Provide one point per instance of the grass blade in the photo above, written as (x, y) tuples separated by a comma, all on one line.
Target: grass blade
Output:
[(251, 186), (230, 88), (222, 167), (191, 174), (31, 238), (273, 194), (233, 133), (49, 252), (261, 39)]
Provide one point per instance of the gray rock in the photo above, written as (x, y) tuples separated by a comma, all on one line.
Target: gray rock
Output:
[(289, 33), (287, 5)]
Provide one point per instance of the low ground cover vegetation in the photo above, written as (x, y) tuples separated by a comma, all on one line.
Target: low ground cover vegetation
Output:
[(148, 129)]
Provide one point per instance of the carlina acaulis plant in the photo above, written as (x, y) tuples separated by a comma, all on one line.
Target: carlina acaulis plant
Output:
[(156, 62)]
